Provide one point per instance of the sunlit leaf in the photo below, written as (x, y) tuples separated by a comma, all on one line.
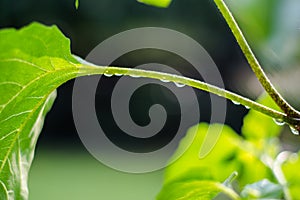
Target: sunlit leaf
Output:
[(76, 4), (230, 153), (259, 126), (222, 155), (34, 62), (157, 3)]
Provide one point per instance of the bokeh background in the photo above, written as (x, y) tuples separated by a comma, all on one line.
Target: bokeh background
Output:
[(62, 168)]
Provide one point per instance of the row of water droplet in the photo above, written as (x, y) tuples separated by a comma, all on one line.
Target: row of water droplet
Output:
[(135, 76), (279, 122), (238, 103)]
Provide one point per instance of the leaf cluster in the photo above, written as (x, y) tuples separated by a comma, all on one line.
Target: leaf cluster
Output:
[(246, 166)]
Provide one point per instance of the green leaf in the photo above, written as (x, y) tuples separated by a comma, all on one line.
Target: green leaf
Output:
[(290, 169), (157, 3), (263, 189), (35, 61), (194, 190), (258, 126), (230, 153), (76, 4), (217, 165)]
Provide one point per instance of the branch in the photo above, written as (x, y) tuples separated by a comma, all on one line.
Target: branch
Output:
[(87, 69), (257, 69)]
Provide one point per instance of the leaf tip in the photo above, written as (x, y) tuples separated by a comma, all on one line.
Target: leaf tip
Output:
[(156, 3), (76, 4)]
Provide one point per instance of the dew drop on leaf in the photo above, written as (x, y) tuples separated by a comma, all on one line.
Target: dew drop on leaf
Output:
[(134, 76), (235, 102), (294, 131), (108, 75), (164, 80), (179, 84), (279, 122), (116, 74)]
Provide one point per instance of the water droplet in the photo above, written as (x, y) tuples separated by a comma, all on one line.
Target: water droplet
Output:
[(116, 74), (279, 122), (108, 75), (165, 81), (179, 84), (247, 107), (134, 76), (236, 103), (294, 131)]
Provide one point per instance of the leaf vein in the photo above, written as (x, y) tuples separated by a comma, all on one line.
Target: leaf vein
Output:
[(11, 83), (24, 62), (30, 114), (8, 134), (15, 115)]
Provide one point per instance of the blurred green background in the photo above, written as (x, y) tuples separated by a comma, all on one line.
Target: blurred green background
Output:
[(63, 169), (74, 174)]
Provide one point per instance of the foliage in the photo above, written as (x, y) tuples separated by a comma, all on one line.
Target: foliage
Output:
[(253, 155), (37, 60), (32, 67)]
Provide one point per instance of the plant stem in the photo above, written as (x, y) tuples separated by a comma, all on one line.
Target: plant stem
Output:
[(253, 62), (275, 166), (281, 180), (86, 69)]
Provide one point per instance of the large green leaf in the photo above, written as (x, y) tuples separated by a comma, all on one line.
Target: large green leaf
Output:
[(222, 156), (230, 153), (34, 61)]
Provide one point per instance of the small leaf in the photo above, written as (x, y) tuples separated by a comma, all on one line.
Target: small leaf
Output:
[(262, 189), (76, 4), (157, 3), (194, 190), (259, 126)]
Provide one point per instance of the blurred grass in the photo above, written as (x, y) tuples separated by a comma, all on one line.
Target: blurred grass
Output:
[(64, 175)]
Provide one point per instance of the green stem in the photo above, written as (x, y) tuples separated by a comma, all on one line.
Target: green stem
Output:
[(253, 62), (86, 69), (275, 166), (281, 180)]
